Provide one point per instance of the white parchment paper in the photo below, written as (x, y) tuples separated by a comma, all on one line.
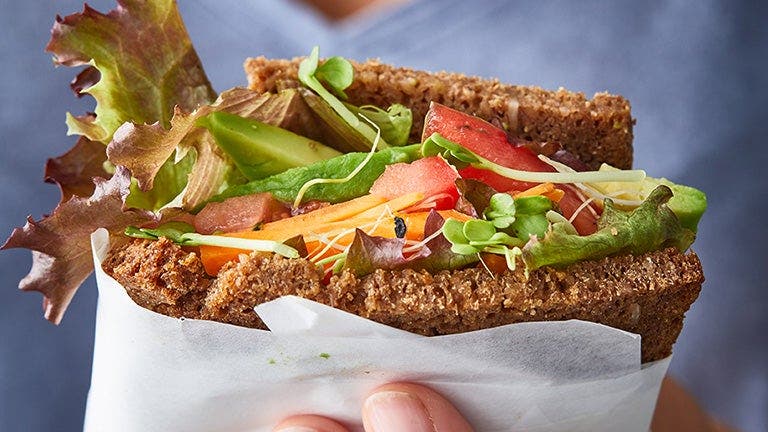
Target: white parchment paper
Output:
[(156, 373)]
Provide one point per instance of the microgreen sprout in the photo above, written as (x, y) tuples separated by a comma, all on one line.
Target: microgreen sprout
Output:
[(337, 73), (475, 235), (507, 224), (501, 210)]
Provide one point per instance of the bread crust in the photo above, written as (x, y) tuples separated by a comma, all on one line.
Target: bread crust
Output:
[(596, 130), (646, 294)]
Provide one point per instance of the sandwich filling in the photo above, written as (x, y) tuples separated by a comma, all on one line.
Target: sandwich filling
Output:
[(466, 195)]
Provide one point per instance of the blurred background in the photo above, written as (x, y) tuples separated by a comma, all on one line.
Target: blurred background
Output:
[(694, 71)]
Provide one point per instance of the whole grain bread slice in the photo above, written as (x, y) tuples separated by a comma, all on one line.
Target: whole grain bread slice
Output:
[(595, 130), (646, 294)]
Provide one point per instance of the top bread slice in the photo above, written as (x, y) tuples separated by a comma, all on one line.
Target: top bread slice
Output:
[(596, 130)]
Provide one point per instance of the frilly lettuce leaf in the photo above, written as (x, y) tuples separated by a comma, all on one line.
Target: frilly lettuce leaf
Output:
[(368, 253), (60, 243), (140, 64), (651, 226), (74, 171), (147, 150), (145, 61)]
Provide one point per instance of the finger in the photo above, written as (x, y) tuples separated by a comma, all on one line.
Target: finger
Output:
[(309, 423), (403, 407)]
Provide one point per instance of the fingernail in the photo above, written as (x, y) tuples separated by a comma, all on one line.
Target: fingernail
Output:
[(389, 411), (297, 429)]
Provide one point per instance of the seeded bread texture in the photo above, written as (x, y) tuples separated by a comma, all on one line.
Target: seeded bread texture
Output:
[(165, 278), (646, 294), (595, 130)]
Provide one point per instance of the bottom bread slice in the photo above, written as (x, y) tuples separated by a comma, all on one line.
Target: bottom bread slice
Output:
[(646, 294)]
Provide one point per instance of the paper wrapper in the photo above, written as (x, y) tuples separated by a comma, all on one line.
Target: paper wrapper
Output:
[(156, 373)]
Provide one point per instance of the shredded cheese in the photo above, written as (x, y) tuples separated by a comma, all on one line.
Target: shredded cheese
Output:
[(333, 243), (588, 190), (429, 203)]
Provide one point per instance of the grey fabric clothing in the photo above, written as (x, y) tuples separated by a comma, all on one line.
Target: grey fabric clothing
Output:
[(693, 71)]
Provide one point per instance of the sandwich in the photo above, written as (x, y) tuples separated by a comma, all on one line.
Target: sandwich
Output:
[(432, 202)]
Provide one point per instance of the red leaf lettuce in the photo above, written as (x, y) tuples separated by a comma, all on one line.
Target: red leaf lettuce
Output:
[(60, 243), (368, 253)]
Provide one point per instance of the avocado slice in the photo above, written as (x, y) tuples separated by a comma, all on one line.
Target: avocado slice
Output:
[(259, 149), (687, 203)]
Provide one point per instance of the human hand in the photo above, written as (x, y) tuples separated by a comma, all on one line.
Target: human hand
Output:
[(403, 407), (678, 411), (398, 407)]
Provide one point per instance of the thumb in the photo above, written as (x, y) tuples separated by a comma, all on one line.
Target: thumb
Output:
[(403, 407), (309, 423)]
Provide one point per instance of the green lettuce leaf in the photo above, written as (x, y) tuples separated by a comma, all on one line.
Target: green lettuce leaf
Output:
[(649, 227), (171, 182), (286, 185), (145, 60)]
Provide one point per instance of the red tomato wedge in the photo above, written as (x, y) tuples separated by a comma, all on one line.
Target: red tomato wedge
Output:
[(491, 143), (432, 176), (586, 221), (486, 140)]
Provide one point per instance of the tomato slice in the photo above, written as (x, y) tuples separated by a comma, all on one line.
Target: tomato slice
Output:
[(431, 176), (486, 140), (491, 143)]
